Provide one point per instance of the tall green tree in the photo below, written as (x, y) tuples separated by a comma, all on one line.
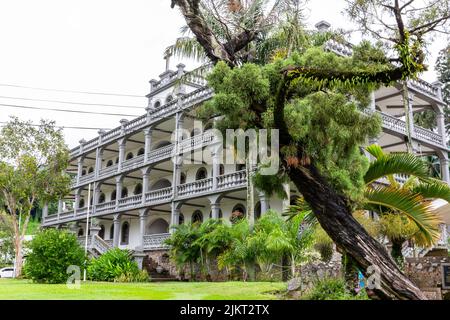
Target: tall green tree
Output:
[(443, 71), (273, 94), (32, 169)]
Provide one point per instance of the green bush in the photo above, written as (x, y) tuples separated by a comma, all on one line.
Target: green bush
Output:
[(332, 289), (51, 252), (115, 265)]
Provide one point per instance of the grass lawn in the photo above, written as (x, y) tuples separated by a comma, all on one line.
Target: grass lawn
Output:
[(26, 290)]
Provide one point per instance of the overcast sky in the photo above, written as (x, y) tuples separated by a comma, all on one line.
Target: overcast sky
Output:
[(106, 46)]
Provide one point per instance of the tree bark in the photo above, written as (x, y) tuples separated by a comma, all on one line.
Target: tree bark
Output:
[(336, 219)]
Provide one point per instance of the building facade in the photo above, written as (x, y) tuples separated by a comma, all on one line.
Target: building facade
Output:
[(134, 181)]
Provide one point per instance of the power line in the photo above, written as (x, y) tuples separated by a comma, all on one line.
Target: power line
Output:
[(71, 102), (73, 111), (72, 91), (64, 127)]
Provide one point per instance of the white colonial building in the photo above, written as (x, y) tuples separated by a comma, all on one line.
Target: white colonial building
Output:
[(138, 192)]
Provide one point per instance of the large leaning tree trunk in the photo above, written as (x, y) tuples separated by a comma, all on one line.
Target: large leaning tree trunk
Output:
[(332, 209)]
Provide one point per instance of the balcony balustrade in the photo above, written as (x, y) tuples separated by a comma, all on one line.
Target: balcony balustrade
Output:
[(130, 201), (195, 187), (156, 241)]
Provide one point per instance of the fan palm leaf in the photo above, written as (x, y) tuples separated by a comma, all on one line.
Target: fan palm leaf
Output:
[(409, 204)]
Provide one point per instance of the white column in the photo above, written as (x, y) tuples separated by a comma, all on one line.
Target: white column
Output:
[(145, 176), (444, 169), (98, 161), (148, 143), (215, 168), (116, 236), (142, 220), (175, 216), (77, 200), (119, 185), (215, 210), (177, 159), (80, 163), (264, 202), (440, 119), (44, 211), (122, 144)]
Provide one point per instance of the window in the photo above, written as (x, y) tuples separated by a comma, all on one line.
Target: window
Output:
[(124, 192), (125, 233), (117, 160), (111, 232), (157, 104), (181, 218), (109, 163), (81, 203), (113, 195), (80, 232), (201, 174), (237, 213), (141, 151), (258, 210), (182, 178), (83, 172), (169, 98), (138, 189), (102, 198), (197, 216), (101, 233), (240, 167), (90, 170), (221, 170), (130, 155)]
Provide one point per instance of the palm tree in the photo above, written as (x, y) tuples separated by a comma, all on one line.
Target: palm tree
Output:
[(404, 209)]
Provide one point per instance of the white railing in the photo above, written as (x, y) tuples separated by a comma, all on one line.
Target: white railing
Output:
[(424, 87), (86, 177), (133, 162), (99, 244), (230, 180), (66, 214), (159, 195), (428, 135), (108, 171), (164, 110), (156, 241), (130, 201), (105, 206), (160, 153), (81, 211), (195, 187)]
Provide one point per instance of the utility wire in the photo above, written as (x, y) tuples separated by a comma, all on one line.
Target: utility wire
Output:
[(3, 123), (71, 102), (72, 91), (73, 111)]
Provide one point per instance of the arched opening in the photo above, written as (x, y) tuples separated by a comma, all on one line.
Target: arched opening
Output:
[(101, 232), (182, 178), (111, 232), (138, 189), (80, 232), (181, 218), (129, 156), (169, 98), (201, 174), (83, 172), (160, 184), (221, 169), (101, 198), (81, 203), (125, 234), (197, 217), (258, 210), (124, 192), (90, 170), (157, 104), (117, 160), (141, 151), (109, 163), (158, 226), (237, 213), (113, 195)]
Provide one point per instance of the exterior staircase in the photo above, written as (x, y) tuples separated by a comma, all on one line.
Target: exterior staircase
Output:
[(96, 246), (151, 266)]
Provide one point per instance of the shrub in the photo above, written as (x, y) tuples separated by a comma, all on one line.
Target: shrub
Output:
[(115, 265), (51, 252), (140, 276), (332, 289)]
